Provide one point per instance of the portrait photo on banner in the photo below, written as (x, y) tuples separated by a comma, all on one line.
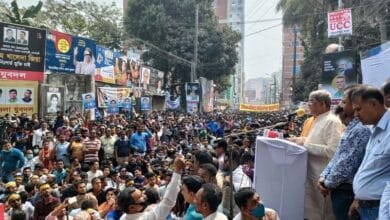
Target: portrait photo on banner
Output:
[(145, 103), (52, 99), (89, 101), (193, 92)]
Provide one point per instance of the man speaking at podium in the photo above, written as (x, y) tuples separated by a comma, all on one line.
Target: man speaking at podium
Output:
[(323, 135)]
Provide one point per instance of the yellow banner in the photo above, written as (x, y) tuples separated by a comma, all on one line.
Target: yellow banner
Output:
[(259, 108), (18, 97)]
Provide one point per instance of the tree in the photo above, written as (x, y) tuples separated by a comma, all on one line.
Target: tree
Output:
[(170, 24), (17, 16), (311, 18), (101, 23)]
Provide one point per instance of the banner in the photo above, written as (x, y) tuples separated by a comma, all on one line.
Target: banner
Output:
[(145, 77), (192, 92), (376, 65), (259, 108), (69, 54), (207, 94), (340, 23), (105, 60), (339, 71), (18, 97), (145, 104), (156, 82), (52, 99), (121, 70), (22, 52), (89, 101), (172, 104), (113, 97)]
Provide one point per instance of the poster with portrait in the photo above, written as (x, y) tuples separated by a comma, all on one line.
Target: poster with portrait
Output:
[(69, 54), (207, 94), (22, 52), (18, 97), (105, 60), (121, 69), (145, 103), (53, 99), (192, 92), (105, 95), (339, 71), (113, 107), (145, 77), (89, 101)]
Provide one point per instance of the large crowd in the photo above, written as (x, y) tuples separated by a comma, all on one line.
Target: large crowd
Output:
[(170, 165)]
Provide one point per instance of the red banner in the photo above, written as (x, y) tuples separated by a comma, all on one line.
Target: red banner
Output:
[(21, 75)]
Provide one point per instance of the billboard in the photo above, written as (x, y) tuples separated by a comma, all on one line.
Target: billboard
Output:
[(340, 23), (376, 65), (105, 61), (106, 95), (69, 54), (339, 71), (18, 97), (22, 52)]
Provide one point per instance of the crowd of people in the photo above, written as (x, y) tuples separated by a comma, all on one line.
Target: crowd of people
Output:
[(164, 165), (169, 165)]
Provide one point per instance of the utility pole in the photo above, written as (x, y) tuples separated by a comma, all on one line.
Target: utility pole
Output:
[(274, 88), (194, 65), (341, 47), (294, 72)]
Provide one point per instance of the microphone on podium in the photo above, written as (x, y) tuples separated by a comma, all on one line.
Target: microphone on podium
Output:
[(299, 113)]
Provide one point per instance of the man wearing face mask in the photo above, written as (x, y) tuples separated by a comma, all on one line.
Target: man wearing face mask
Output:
[(11, 159), (132, 201), (251, 208)]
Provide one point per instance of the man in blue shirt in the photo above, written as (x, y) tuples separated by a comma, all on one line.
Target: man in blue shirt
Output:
[(338, 175), (374, 171), (139, 139), (11, 159), (191, 185)]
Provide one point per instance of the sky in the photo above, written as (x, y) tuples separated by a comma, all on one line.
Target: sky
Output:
[(263, 51)]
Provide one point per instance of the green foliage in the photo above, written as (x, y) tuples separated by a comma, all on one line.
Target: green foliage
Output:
[(311, 18), (170, 25), (18, 16)]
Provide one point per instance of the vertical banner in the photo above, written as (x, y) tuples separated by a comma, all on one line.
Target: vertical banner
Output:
[(207, 94), (70, 54), (105, 60), (113, 107), (120, 70), (22, 52), (192, 97), (340, 23), (18, 97), (145, 104), (89, 101), (52, 99), (339, 71), (145, 77)]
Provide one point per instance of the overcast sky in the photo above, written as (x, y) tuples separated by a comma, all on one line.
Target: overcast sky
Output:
[(263, 51)]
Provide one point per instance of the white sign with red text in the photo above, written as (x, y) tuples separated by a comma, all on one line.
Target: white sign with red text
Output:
[(340, 23)]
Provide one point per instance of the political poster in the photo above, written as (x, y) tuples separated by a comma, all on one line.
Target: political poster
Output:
[(105, 61), (376, 65), (121, 70), (145, 104), (18, 97), (145, 77), (89, 101), (52, 99), (22, 52), (207, 94), (70, 54), (192, 92), (192, 107), (113, 107), (106, 96), (340, 23), (339, 71)]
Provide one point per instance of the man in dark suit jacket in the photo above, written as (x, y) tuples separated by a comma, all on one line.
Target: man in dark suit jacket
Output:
[(9, 36)]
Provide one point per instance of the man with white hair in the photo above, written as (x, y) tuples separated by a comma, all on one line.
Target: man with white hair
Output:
[(321, 142)]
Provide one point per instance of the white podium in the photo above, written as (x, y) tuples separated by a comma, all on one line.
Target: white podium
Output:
[(280, 175)]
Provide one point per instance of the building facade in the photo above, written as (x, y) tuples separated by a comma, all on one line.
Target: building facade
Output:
[(232, 13), (288, 62)]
